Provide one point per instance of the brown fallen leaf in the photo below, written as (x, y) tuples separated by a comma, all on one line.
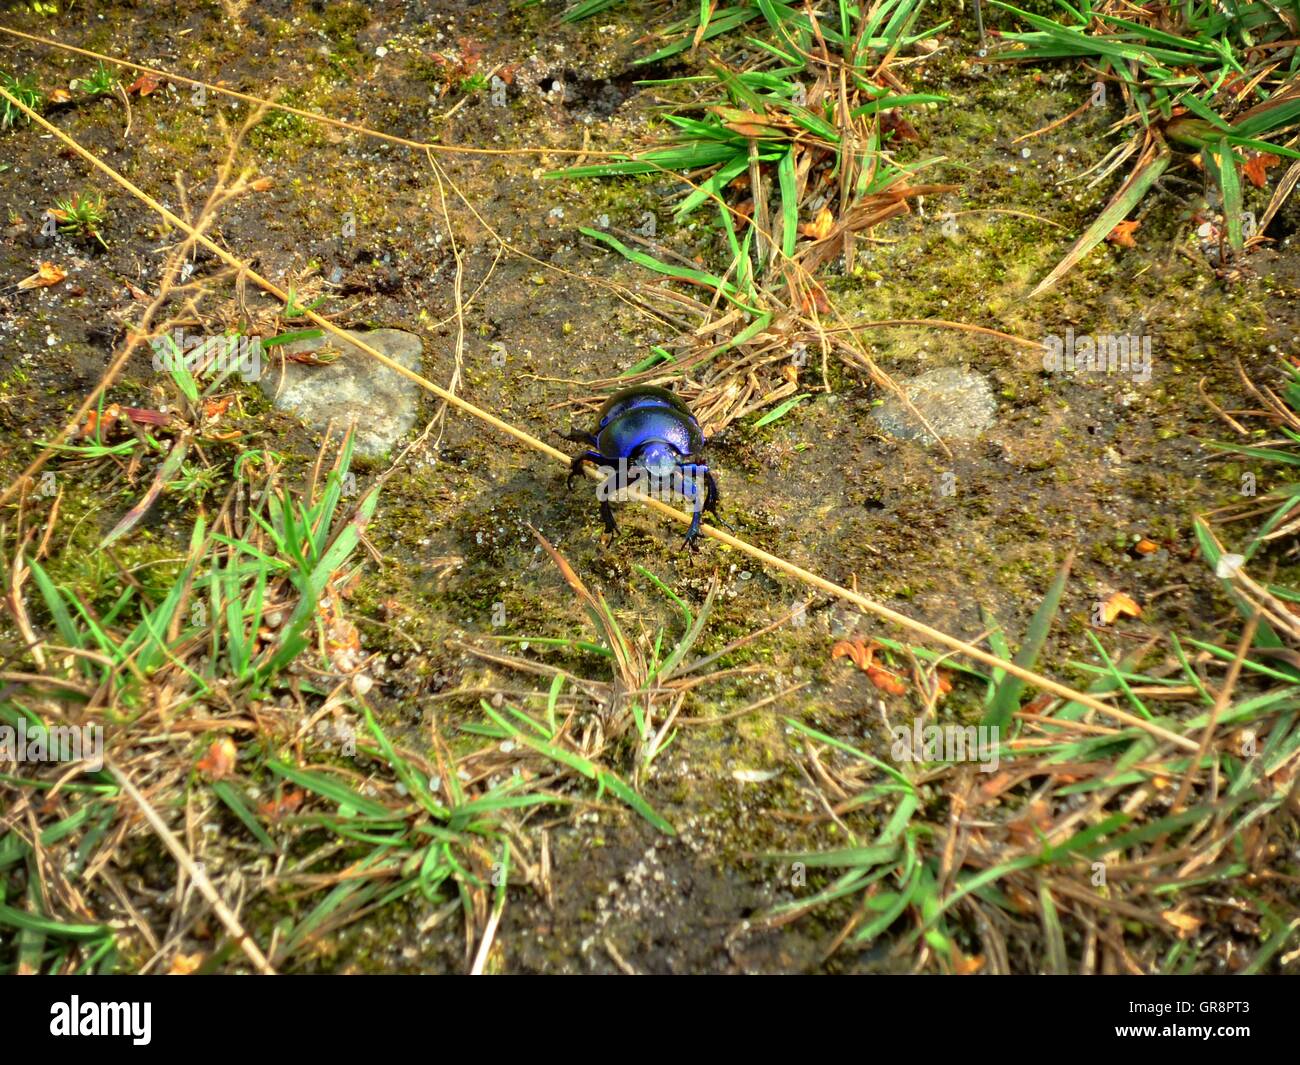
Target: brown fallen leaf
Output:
[(217, 406), (886, 680), (141, 416), (1032, 824), (185, 964), (286, 804), (752, 129), (815, 299), (1256, 165), (820, 227), (219, 762), (856, 650), (1185, 923), (1122, 234), (143, 85), (1117, 604), (892, 121), (995, 786), (47, 275), (97, 422), (863, 656), (1037, 704)]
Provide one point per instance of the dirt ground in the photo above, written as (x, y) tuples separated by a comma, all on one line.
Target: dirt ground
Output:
[(1085, 464)]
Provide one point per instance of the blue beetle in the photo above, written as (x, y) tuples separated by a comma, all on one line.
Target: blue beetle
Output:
[(647, 432)]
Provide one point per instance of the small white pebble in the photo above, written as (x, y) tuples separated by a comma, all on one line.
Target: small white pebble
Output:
[(1229, 566)]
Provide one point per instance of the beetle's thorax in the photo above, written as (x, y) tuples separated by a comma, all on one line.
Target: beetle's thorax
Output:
[(636, 429)]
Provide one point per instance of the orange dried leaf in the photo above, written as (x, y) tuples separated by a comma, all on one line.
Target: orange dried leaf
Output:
[(751, 129), (1037, 704), (966, 965), (97, 422), (47, 275), (286, 804), (996, 785), (854, 649), (1185, 923), (1146, 547), (1117, 604), (1122, 234), (1256, 165), (816, 300), (863, 656), (886, 681), (185, 964), (143, 85), (219, 762), (820, 227), (1032, 823)]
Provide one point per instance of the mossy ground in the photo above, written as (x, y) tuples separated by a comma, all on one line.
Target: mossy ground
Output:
[(1087, 463)]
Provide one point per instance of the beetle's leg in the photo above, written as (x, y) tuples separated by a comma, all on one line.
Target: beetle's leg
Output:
[(688, 487), (607, 516), (711, 493), (579, 437), (607, 489), (575, 464)]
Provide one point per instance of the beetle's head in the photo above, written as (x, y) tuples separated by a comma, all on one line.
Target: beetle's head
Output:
[(658, 459)]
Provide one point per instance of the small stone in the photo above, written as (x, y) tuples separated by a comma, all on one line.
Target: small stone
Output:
[(1229, 566), (353, 386), (958, 404)]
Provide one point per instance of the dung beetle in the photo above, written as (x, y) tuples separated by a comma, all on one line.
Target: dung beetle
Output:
[(648, 434)]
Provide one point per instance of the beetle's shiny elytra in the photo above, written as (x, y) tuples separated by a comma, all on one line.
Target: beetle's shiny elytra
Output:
[(648, 431)]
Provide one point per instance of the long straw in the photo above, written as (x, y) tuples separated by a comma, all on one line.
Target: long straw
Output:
[(775, 562)]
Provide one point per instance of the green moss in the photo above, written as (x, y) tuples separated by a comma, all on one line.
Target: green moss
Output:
[(342, 20)]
